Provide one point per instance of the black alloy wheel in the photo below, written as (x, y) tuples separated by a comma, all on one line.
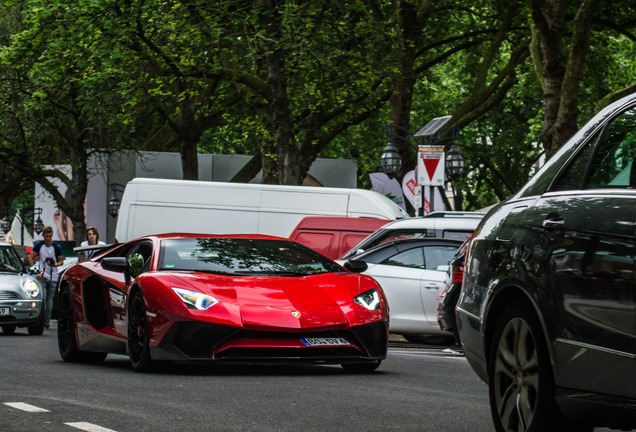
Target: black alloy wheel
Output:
[(138, 338), (521, 383), (66, 342)]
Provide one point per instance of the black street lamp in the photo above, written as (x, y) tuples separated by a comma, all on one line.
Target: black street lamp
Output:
[(6, 223), (454, 163), (113, 202), (38, 225), (390, 160)]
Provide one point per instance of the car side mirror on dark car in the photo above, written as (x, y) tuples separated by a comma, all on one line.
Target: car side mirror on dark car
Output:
[(355, 266)]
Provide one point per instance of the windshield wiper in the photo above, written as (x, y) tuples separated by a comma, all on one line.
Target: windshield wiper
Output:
[(6, 267)]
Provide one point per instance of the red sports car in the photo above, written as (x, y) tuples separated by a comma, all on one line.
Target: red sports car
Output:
[(205, 298)]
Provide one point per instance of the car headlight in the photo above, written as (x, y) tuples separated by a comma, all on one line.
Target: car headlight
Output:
[(369, 299), (32, 288), (194, 299)]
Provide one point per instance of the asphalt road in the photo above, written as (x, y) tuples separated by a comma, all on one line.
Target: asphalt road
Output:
[(416, 388)]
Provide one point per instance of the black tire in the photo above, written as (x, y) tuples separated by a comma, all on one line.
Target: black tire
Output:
[(361, 367), (138, 337), (429, 340), (37, 329), (66, 342), (8, 329), (521, 383)]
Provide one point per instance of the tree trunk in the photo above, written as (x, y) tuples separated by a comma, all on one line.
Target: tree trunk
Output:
[(561, 81), (286, 150)]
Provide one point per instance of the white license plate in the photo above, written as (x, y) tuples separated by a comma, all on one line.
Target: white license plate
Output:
[(324, 341), (5, 311)]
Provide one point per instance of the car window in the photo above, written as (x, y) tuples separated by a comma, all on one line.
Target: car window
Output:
[(9, 260), (607, 161), (242, 256), (413, 258), (403, 234), (438, 257)]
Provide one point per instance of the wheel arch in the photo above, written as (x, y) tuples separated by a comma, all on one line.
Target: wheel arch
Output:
[(505, 294)]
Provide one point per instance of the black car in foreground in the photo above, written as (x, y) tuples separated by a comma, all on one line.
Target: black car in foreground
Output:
[(546, 315)]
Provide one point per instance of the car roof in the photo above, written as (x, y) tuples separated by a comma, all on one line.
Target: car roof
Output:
[(170, 236), (438, 220)]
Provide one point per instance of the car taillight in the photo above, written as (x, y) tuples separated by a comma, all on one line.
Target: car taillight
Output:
[(458, 275)]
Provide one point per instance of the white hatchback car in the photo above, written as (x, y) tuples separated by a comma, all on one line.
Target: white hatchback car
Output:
[(412, 273), (449, 225)]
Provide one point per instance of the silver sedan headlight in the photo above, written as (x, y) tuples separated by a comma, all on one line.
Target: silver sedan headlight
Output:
[(32, 288)]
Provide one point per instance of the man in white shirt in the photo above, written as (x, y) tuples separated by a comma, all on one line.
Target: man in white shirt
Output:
[(51, 257)]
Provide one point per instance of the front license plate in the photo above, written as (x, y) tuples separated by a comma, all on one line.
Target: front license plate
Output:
[(324, 341), (5, 311)]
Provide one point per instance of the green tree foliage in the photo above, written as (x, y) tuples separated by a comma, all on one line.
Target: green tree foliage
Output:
[(288, 81)]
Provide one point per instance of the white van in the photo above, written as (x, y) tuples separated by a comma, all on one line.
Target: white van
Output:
[(154, 206)]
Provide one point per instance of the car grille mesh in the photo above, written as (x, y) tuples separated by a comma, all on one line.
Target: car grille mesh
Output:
[(198, 341), (9, 295)]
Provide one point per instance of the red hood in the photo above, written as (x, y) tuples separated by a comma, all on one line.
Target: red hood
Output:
[(266, 300)]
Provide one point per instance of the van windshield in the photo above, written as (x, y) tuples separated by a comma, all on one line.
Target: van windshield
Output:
[(243, 256)]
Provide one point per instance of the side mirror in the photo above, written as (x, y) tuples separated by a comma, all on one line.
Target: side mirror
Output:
[(117, 264), (114, 264), (355, 266)]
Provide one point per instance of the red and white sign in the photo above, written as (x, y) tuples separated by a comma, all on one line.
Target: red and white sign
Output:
[(430, 165)]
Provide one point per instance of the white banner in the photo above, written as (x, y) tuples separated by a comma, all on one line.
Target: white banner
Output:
[(388, 187), (410, 187)]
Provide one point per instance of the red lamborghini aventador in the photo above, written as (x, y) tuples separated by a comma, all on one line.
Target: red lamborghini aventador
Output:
[(206, 298)]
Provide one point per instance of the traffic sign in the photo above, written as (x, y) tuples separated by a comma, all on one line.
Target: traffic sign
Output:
[(430, 165)]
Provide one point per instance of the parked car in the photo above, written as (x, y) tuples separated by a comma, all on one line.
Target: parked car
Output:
[(547, 315), (450, 294), (212, 298), (21, 297), (411, 273), (333, 236), (451, 224)]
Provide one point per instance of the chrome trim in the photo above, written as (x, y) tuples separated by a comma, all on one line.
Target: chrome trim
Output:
[(470, 315), (596, 348)]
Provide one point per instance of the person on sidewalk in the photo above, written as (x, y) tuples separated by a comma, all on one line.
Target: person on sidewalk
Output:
[(51, 257)]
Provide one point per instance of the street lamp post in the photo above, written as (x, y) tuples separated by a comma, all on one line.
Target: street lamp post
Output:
[(38, 225), (431, 134)]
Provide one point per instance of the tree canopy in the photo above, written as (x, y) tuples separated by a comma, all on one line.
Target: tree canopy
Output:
[(289, 81)]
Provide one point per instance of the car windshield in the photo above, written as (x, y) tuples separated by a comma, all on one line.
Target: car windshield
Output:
[(9, 260), (243, 256)]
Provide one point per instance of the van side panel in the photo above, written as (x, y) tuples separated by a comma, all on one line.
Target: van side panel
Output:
[(282, 209), (153, 206), (161, 207), (348, 242), (322, 242), (370, 204)]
